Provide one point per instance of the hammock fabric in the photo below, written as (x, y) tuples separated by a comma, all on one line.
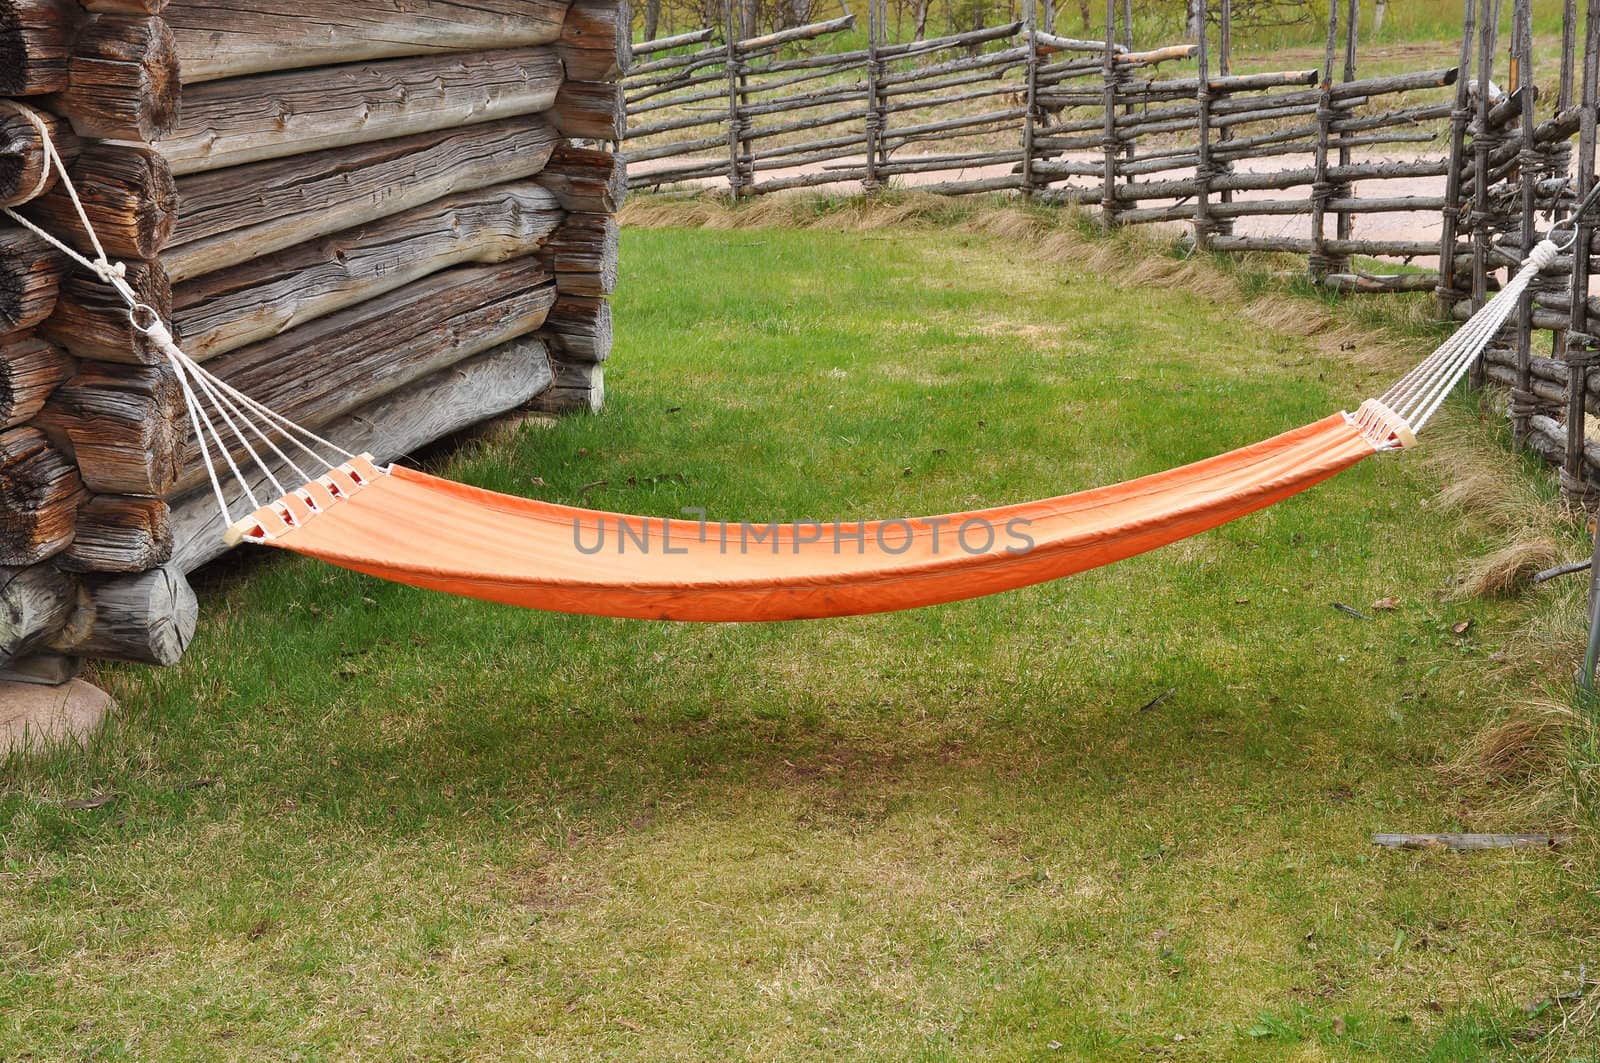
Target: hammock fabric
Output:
[(409, 527)]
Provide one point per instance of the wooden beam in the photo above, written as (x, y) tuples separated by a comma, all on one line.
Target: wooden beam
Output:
[(229, 38), (435, 406), (29, 369), (119, 533), (35, 43), (351, 358), (34, 602), (243, 304), (23, 173), (122, 79), (121, 424), (149, 618), (594, 40), (267, 116), (590, 110), (128, 193), (91, 320), (231, 216), (30, 278), (586, 179), (39, 496)]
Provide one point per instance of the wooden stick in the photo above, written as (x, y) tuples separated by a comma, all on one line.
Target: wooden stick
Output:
[(230, 38), (244, 212), (662, 44), (267, 116), (1470, 842)]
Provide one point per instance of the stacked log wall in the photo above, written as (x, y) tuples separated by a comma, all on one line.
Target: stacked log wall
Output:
[(390, 221)]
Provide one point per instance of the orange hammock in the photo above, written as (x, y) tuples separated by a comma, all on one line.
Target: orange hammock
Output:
[(408, 527)]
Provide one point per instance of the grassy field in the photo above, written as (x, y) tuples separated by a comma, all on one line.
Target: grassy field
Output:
[(1122, 816)]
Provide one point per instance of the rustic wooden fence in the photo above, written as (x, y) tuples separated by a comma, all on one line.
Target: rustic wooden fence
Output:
[(1481, 173)]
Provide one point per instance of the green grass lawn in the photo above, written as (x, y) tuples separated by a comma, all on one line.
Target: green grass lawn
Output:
[(364, 821)]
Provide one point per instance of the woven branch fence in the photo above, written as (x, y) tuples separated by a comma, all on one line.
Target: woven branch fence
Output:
[(1473, 161)]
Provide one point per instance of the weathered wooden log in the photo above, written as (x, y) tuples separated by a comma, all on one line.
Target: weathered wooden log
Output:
[(229, 38), (594, 40), (230, 308), (121, 424), (244, 212), (579, 387), (149, 618), (1470, 842), (23, 173), (42, 668), (435, 406), (128, 193), (586, 179), (91, 320), (30, 277), (809, 32), (582, 255), (34, 603), (1367, 283), (40, 492), (122, 80), (35, 43), (590, 110), (119, 533), (579, 328), (267, 116), (355, 356), (30, 369), (664, 44)]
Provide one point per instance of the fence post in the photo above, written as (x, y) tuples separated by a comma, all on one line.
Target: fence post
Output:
[(1318, 263), (1224, 226), (1108, 193), (1579, 350), (1447, 291), (1482, 141), (1529, 159), (735, 117), (1030, 16), (1202, 166), (874, 117), (1345, 221)]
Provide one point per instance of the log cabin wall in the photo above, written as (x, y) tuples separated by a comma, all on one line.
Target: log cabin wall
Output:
[(390, 220)]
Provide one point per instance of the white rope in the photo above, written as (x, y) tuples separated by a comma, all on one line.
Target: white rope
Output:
[(198, 384)]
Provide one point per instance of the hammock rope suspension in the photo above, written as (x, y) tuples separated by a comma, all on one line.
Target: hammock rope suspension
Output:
[(347, 511)]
